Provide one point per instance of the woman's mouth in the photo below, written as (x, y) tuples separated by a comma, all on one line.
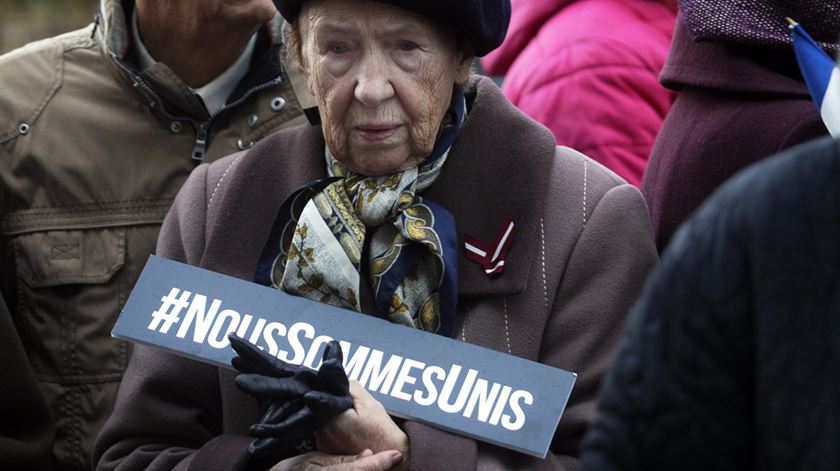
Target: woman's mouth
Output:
[(377, 132)]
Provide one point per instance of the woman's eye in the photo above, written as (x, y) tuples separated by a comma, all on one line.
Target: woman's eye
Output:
[(337, 48), (407, 46)]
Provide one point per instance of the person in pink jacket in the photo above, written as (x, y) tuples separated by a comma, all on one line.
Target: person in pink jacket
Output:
[(588, 70)]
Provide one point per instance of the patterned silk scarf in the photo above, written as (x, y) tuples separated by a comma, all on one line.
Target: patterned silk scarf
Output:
[(335, 233)]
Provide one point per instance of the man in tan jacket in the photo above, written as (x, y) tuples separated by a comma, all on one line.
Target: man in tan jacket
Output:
[(98, 130)]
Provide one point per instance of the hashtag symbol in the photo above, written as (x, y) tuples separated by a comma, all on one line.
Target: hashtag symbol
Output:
[(170, 308)]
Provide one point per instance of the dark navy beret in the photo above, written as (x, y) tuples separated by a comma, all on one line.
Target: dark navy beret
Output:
[(483, 22)]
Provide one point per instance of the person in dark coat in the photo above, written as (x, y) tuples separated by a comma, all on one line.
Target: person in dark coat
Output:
[(26, 427), (730, 359), (742, 98)]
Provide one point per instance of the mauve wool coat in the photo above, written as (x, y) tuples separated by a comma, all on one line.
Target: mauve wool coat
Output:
[(737, 105), (578, 261)]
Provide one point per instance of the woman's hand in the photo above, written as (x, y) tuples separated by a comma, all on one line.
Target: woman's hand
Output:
[(365, 426), (319, 461)]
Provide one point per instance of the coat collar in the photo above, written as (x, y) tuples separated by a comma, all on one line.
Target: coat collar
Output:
[(499, 166), (731, 68)]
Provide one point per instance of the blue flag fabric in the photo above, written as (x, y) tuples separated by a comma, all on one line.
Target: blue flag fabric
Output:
[(821, 76)]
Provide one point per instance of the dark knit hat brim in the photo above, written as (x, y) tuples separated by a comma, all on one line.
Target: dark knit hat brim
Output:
[(483, 22)]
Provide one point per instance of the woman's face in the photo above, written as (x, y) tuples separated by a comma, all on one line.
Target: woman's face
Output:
[(382, 77)]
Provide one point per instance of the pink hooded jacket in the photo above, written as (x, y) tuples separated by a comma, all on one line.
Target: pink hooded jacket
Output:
[(588, 70)]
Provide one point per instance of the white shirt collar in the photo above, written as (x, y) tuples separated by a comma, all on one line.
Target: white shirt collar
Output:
[(215, 93)]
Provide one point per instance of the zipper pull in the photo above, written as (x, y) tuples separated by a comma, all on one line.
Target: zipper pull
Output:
[(95, 24), (200, 147)]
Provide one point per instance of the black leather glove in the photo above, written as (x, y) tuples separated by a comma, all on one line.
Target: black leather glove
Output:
[(294, 401)]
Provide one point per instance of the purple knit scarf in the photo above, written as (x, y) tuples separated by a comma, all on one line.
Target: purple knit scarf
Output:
[(761, 22)]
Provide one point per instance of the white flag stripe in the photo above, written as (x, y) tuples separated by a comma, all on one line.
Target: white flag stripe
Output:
[(502, 242), (490, 271), (830, 111), (475, 250)]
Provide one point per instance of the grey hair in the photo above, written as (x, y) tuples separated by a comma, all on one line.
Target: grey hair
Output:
[(291, 43)]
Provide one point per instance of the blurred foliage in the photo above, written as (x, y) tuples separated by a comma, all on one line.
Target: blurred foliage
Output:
[(23, 21)]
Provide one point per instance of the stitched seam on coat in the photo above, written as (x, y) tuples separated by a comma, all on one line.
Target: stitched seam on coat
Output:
[(507, 330), (139, 205), (788, 140), (122, 345), (542, 262), (585, 179), (74, 437), (87, 208), (84, 216), (219, 183)]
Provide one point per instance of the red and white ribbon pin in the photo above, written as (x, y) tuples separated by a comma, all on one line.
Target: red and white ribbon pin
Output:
[(491, 256)]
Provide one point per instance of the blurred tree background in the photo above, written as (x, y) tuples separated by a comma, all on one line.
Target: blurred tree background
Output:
[(23, 21)]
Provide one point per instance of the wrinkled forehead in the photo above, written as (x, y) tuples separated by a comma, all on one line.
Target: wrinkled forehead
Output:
[(364, 17)]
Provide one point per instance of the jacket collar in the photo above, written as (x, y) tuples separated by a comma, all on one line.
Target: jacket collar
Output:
[(114, 35), (114, 29), (500, 165)]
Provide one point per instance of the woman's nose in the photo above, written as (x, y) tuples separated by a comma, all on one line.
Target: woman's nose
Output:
[(373, 85)]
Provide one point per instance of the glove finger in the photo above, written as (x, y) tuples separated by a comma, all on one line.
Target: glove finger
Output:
[(243, 365), (333, 352), (280, 446), (251, 359), (244, 349), (333, 379), (268, 446), (291, 425), (327, 405), (332, 367), (307, 376), (278, 411), (300, 424), (258, 446), (271, 388), (263, 404)]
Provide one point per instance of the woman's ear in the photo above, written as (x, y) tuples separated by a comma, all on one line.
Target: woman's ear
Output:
[(463, 70), (464, 60)]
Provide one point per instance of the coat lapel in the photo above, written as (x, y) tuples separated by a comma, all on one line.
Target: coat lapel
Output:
[(248, 205), (484, 181)]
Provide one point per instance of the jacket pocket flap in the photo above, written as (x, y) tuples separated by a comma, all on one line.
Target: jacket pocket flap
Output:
[(53, 258)]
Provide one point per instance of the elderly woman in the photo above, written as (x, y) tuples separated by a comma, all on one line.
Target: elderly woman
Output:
[(412, 152)]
